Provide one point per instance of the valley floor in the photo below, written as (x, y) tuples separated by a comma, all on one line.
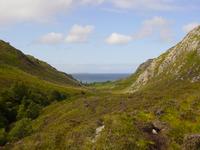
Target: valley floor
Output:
[(155, 118)]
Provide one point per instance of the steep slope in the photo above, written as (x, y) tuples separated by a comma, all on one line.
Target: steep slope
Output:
[(181, 62), (9, 56)]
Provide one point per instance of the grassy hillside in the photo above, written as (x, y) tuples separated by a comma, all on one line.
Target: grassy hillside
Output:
[(27, 85), (157, 108), (15, 58), (128, 120)]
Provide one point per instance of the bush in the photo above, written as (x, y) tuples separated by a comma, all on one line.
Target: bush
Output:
[(2, 137), (21, 129), (19, 90), (3, 121), (33, 110), (30, 111), (21, 113), (56, 95), (38, 97)]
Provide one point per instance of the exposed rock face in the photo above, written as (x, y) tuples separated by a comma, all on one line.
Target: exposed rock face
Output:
[(144, 65), (170, 63), (192, 142)]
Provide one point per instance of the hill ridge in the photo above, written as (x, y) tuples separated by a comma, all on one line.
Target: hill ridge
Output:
[(11, 56)]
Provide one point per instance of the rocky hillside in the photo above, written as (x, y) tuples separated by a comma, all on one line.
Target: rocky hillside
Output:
[(10, 56), (181, 62)]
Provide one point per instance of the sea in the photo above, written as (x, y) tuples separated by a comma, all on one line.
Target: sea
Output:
[(101, 77)]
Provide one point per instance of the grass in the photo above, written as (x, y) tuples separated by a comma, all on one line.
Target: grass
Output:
[(15, 58), (169, 99), (73, 123)]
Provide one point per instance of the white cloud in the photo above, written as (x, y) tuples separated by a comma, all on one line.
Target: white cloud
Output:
[(31, 10), (116, 38), (150, 27), (79, 33), (12, 11), (188, 27), (51, 38), (155, 25), (95, 2)]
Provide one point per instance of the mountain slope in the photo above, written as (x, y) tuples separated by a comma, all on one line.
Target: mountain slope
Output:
[(14, 58), (27, 86), (181, 62)]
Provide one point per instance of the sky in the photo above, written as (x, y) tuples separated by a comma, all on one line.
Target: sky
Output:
[(96, 36)]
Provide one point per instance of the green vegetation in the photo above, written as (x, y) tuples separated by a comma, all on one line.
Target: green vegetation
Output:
[(27, 86), (161, 113), (20, 103), (21, 129), (14, 58)]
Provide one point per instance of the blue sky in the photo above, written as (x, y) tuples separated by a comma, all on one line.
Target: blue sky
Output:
[(96, 36)]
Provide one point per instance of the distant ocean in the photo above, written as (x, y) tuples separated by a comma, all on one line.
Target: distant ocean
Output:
[(91, 78)]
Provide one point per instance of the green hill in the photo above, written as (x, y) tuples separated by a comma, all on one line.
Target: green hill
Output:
[(27, 85), (11, 57), (157, 108)]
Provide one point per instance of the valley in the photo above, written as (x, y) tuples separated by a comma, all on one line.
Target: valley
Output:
[(155, 108)]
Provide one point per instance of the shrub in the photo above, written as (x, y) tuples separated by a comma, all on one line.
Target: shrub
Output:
[(21, 113), (3, 121), (38, 97), (56, 95), (33, 110), (19, 90), (21, 129), (30, 111), (2, 137)]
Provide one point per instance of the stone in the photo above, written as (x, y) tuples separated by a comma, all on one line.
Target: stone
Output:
[(154, 131), (158, 125)]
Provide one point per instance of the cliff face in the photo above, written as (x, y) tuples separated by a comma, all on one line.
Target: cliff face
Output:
[(180, 62)]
